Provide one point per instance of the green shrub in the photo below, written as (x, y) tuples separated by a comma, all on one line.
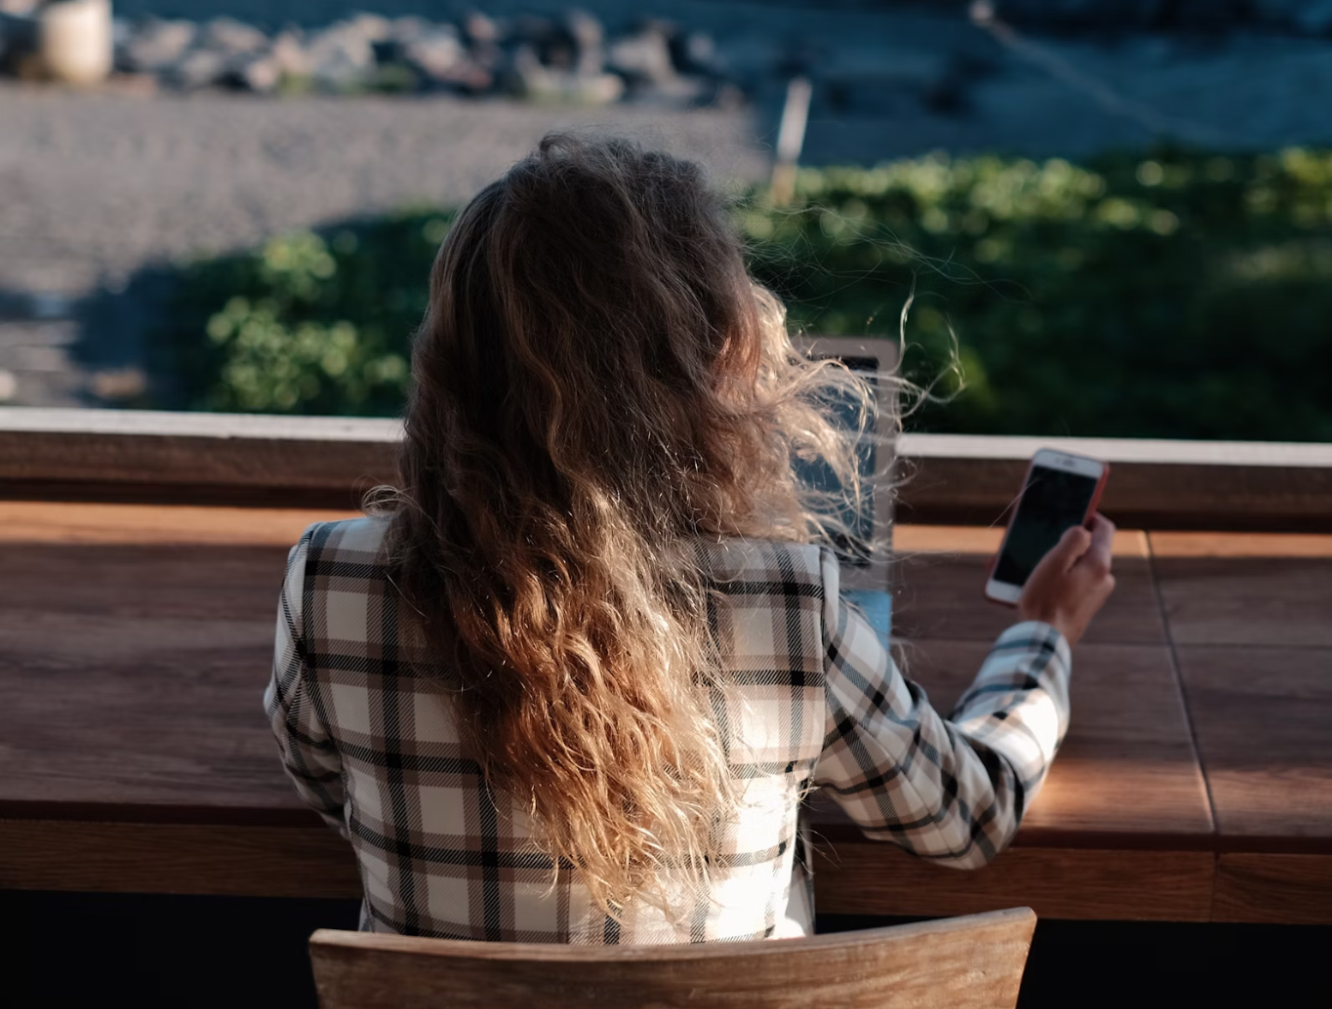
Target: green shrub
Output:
[(309, 323), (1181, 295)]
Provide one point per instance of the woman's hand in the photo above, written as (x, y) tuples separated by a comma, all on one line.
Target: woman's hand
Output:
[(1073, 581)]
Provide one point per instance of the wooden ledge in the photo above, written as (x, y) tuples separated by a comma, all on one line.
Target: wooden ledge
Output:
[(1154, 484), (329, 462)]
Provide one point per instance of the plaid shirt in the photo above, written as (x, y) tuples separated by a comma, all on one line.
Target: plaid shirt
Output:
[(366, 735)]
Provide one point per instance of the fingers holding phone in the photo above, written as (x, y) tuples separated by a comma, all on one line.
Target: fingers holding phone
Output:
[(1073, 581), (1054, 561)]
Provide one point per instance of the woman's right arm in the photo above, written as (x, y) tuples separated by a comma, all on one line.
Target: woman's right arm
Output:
[(952, 790)]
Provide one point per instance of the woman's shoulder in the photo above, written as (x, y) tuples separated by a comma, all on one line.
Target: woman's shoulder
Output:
[(354, 541), (768, 561)]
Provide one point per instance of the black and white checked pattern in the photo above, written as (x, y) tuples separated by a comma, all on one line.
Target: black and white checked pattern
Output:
[(811, 698)]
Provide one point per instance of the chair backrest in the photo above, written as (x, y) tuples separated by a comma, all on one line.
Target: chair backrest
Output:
[(957, 963)]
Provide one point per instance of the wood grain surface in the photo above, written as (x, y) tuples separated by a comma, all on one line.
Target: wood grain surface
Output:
[(176, 858), (1230, 545), (134, 675), (1246, 590), (969, 963), (877, 878), (1263, 720), (1274, 889), (140, 524), (135, 644), (939, 576)]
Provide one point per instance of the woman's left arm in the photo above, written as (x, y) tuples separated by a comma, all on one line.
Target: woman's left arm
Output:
[(309, 754)]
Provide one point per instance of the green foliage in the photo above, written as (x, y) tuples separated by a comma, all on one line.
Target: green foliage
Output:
[(1181, 295), (316, 324)]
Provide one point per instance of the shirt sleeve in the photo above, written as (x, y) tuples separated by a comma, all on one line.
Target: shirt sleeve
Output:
[(948, 790), (309, 754)]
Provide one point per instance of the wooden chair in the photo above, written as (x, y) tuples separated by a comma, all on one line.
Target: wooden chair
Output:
[(955, 963)]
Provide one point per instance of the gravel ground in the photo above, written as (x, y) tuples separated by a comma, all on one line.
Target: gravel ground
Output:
[(96, 186), (93, 186)]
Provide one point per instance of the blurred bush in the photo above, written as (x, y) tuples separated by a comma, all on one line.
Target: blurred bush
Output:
[(1180, 295), (309, 323)]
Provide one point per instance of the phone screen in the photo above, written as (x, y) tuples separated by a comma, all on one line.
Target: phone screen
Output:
[(1053, 501)]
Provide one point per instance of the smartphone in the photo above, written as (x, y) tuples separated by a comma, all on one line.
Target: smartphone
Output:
[(1061, 491)]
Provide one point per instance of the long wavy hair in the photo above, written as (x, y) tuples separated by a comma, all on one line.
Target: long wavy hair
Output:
[(599, 388)]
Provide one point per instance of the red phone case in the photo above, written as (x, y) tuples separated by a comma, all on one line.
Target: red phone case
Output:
[(1026, 479)]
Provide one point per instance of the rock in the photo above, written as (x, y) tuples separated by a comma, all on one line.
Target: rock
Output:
[(198, 68), (644, 58), (290, 55), (527, 77), (592, 89), (479, 29), (261, 73), (695, 53), (440, 60), (490, 58), (232, 38), (483, 36), (435, 52), (371, 27), (402, 31), (155, 45), (341, 57), (589, 38), (551, 41)]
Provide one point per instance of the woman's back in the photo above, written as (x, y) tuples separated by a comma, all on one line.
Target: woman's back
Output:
[(573, 683), (807, 696)]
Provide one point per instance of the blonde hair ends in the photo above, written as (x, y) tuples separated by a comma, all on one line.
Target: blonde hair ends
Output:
[(599, 387)]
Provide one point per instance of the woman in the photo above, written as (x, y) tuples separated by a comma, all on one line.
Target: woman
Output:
[(570, 683)]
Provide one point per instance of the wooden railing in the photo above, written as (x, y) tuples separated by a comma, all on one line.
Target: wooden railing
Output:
[(157, 457), (1195, 783)]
